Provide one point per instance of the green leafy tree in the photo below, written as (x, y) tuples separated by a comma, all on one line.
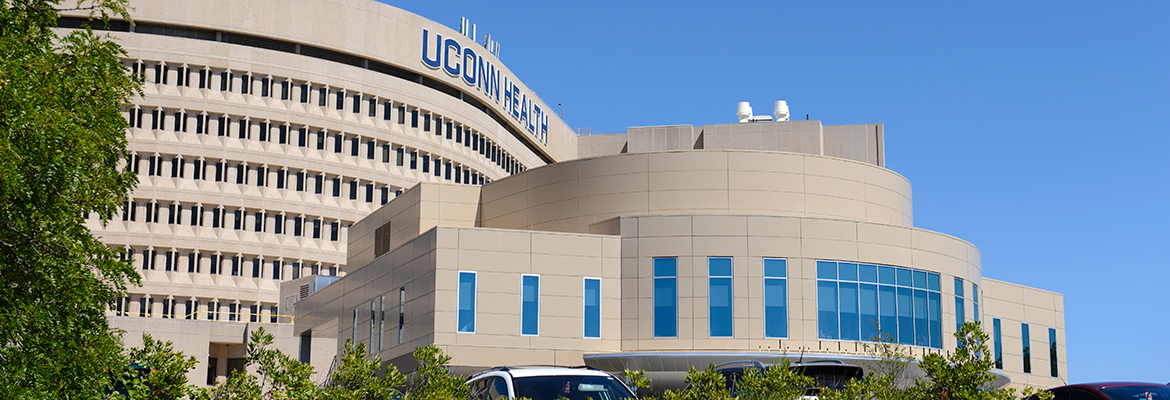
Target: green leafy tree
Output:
[(62, 137), (706, 384), (964, 374), (279, 376), (357, 377), (636, 380), (778, 382), (433, 380), (886, 377), (167, 379)]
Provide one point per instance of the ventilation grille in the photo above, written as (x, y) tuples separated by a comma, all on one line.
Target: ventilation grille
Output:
[(305, 290), (382, 240)]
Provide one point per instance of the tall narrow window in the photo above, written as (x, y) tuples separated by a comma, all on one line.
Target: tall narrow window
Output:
[(960, 316), (666, 297), (401, 312), (353, 327), (719, 297), (592, 308), (467, 297), (1027, 341), (775, 298), (975, 302), (997, 342), (827, 318), (373, 321), (530, 305), (381, 319), (1052, 361)]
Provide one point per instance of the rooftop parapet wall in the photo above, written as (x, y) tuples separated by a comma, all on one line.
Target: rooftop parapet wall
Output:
[(570, 196), (864, 143), (417, 210)]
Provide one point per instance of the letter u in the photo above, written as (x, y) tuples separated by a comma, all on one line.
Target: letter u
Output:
[(438, 50)]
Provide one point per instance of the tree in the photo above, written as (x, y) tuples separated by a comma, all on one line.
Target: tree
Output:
[(706, 384), (357, 377), (62, 137), (167, 377), (778, 382), (964, 374), (280, 376), (433, 380), (636, 379)]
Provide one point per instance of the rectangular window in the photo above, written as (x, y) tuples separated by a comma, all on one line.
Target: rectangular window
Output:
[(1052, 361), (530, 305), (305, 93), (381, 310), (355, 146), (719, 297), (401, 115), (426, 163), (960, 316), (322, 94), (975, 302), (775, 298), (997, 342), (1027, 341), (398, 160), (862, 301), (401, 312), (357, 109), (386, 109), (337, 143), (666, 297), (467, 298), (277, 266), (339, 102), (592, 308), (373, 324), (414, 118)]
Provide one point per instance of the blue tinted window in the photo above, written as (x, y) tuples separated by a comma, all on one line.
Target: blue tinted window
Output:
[(719, 297), (850, 324), (886, 275), (919, 279), (905, 316), (719, 266), (530, 305), (826, 270), (592, 308), (1027, 348), (935, 312), (958, 287), (665, 267), (467, 302), (847, 271), (665, 297), (871, 301), (959, 313), (775, 298), (932, 282), (827, 327), (775, 268), (867, 273), (905, 277), (921, 327), (1053, 363), (997, 342), (868, 300)]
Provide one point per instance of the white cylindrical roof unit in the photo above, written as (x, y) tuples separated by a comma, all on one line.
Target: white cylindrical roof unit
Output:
[(744, 111), (781, 112)]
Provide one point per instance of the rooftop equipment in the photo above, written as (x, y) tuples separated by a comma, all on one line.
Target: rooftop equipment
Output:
[(743, 111)]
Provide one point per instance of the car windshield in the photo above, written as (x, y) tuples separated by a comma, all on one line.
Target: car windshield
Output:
[(571, 387), (1137, 392)]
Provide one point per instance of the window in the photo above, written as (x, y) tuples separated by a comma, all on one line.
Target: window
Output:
[(530, 305), (278, 224), (401, 115), (354, 146), (775, 298), (426, 123), (467, 298), (399, 156), (214, 267), (402, 311), (719, 297), (321, 140), (386, 109), (322, 93), (273, 311), (168, 308), (959, 310), (340, 101), (259, 227), (975, 302), (192, 306), (426, 163), (261, 176), (337, 187), (381, 309), (193, 262), (997, 342), (1024, 337), (414, 118), (373, 110), (196, 215), (305, 93), (592, 301), (370, 146), (145, 306), (1052, 361), (337, 143), (253, 313), (316, 229), (357, 109), (233, 311), (353, 190), (373, 324), (414, 160), (857, 301), (666, 297), (283, 96), (334, 228), (213, 312), (280, 173), (256, 264)]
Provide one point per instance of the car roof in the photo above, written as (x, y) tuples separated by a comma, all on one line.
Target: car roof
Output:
[(529, 372), (1103, 385)]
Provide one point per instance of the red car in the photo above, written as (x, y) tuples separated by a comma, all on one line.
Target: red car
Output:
[(1112, 391)]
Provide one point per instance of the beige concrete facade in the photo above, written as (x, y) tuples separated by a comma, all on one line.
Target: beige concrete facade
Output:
[(266, 128)]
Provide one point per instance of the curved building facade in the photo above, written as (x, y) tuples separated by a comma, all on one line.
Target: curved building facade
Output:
[(346, 170), (266, 128)]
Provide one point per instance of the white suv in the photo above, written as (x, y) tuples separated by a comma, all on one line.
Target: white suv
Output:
[(547, 383)]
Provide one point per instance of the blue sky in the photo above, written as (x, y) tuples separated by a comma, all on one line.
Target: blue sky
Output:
[(1035, 130)]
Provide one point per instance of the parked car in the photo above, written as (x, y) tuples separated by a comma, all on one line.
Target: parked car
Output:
[(831, 375), (547, 383), (1112, 391)]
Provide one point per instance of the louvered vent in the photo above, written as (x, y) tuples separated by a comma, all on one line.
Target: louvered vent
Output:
[(382, 240), (305, 290)]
